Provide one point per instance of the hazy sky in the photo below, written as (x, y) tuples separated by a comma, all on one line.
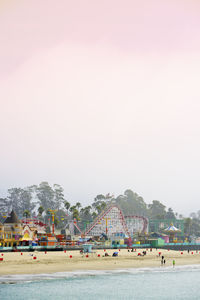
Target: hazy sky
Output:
[(101, 96)]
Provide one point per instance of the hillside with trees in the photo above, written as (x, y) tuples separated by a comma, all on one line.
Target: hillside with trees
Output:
[(37, 200)]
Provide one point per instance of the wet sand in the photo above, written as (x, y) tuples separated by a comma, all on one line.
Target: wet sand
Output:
[(59, 261)]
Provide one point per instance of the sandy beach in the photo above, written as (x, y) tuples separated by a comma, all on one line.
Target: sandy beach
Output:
[(51, 262)]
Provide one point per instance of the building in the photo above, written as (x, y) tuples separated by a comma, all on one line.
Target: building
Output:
[(1, 234), (11, 231)]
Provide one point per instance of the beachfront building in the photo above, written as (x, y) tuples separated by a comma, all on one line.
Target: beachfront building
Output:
[(48, 240), (12, 231), (1, 234), (29, 234), (34, 225), (31, 229)]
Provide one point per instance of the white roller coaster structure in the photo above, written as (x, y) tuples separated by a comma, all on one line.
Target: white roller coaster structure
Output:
[(112, 221)]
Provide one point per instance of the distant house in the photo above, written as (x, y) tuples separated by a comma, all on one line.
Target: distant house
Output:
[(12, 231)]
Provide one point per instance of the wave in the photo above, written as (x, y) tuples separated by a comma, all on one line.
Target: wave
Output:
[(21, 278)]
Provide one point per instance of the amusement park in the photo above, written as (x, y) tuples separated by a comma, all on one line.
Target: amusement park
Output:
[(110, 229)]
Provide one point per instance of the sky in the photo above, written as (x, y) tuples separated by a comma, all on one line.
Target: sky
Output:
[(100, 97)]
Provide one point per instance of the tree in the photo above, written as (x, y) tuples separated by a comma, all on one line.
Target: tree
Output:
[(99, 209), (103, 206), (157, 210), (193, 215), (132, 203), (14, 201), (20, 200), (45, 195), (78, 205), (72, 208), (40, 210), (75, 214), (97, 204), (85, 215), (26, 199), (198, 214), (4, 205), (26, 213), (67, 205), (58, 196), (94, 215), (99, 197), (170, 214), (187, 226)]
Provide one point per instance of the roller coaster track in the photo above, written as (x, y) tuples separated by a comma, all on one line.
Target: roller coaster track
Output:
[(115, 215)]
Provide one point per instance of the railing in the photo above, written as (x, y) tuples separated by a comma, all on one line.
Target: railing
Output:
[(181, 244)]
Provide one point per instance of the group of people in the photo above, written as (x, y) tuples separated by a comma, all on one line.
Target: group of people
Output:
[(163, 261)]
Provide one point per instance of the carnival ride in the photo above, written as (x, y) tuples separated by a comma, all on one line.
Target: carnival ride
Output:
[(112, 221), (137, 224)]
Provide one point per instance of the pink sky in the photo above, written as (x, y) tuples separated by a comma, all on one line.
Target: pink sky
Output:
[(101, 96), (28, 27)]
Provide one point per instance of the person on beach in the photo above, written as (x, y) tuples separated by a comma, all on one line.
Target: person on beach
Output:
[(164, 261), (173, 263), (161, 262)]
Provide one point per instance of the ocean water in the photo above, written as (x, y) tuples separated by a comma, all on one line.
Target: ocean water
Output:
[(181, 282)]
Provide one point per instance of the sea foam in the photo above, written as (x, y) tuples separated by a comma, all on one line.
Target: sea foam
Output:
[(19, 278)]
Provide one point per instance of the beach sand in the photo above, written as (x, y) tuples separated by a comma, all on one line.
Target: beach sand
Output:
[(59, 261)]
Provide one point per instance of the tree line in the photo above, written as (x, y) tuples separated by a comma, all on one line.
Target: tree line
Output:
[(37, 200)]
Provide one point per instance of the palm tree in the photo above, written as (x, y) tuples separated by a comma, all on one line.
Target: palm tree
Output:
[(40, 210), (78, 205), (67, 205), (72, 208), (26, 213), (75, 214)]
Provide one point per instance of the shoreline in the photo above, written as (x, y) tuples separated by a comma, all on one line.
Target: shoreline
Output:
[(23, 278), (54, 262)]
